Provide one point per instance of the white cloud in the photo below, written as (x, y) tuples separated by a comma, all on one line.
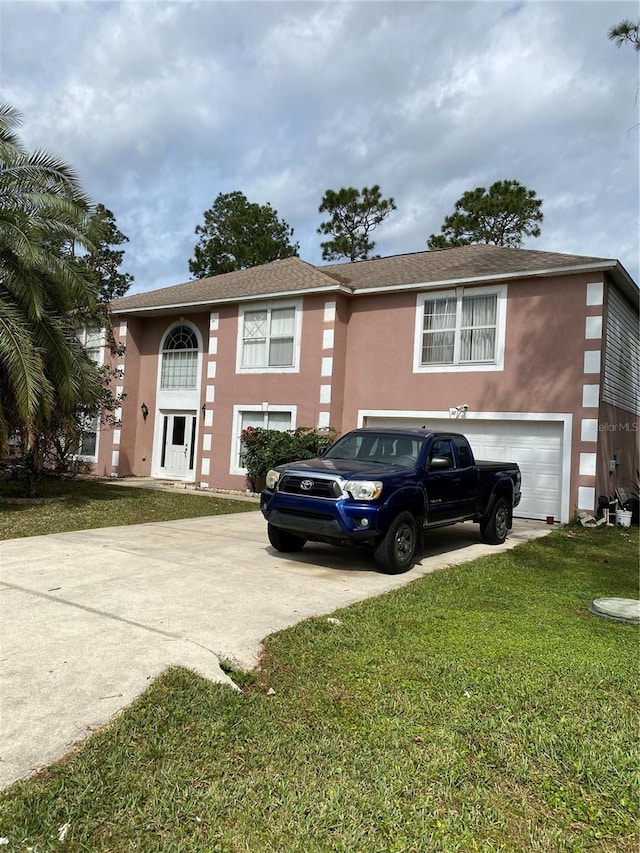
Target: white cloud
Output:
[(160, 107)]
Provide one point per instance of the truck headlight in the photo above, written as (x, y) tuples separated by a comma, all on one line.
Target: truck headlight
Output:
[(364, 490), (272, 478)]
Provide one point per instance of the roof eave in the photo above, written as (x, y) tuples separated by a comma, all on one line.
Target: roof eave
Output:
[(209, 303), (599, 266), (626, 284)]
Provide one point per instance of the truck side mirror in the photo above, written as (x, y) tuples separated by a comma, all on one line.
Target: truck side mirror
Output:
[(440, 463)]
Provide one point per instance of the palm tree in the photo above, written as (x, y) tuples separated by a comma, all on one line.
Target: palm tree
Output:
[(43, 289)]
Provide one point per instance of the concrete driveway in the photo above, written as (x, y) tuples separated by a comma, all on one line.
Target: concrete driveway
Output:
[(90, 617)]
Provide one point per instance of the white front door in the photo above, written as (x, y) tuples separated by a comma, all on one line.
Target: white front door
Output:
[(178, 445)]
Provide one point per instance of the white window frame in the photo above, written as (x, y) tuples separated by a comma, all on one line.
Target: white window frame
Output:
[(198, 360), (297, 336), (265, 409), (177, 398), (496, 364), (81, 334)]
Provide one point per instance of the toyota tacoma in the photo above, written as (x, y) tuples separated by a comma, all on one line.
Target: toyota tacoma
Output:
[(384, 488)]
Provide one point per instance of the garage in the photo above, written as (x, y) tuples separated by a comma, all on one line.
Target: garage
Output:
[(536, 445)]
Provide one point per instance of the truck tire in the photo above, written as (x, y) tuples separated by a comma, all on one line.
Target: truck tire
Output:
[(494, 530), (284, 541), (397, 549)]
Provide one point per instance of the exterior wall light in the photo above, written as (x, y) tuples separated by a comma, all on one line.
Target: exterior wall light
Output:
[(145, 411), (459, 411)]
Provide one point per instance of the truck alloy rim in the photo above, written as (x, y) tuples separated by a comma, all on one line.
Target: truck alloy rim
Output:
[(404, 543), (502, 521)]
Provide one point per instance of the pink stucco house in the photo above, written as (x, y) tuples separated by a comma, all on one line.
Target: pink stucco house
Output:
[(541, 348)]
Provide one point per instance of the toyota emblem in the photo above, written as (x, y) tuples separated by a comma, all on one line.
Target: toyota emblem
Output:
[(306, 485)]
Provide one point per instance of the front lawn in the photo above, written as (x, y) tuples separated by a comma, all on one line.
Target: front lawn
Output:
[(481, 708), (88, 504)]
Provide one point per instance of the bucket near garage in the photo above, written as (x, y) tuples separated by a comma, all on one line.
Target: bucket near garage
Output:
[(623, 517)]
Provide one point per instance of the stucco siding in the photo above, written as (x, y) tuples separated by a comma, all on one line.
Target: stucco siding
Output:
[(543, 361), (298, 392)]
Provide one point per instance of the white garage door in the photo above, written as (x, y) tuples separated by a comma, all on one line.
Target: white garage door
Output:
[(535, 445)]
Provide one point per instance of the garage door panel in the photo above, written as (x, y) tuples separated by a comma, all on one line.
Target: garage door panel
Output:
[(481, 450), (548, 483), (526, 454), (547, 457), (535, 445)]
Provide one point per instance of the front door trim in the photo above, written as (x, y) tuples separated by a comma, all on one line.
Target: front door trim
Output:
[(175, 461)]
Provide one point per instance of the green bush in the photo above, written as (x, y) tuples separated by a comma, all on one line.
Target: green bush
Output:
[(263, 449)]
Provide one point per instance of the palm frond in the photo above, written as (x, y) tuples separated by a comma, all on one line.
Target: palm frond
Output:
[(21, 366), (9, 119)]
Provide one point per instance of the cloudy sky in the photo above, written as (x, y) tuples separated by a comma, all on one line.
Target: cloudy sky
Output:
[(161, 106)]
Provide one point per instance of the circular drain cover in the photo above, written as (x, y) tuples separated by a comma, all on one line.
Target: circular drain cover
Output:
[(619, 609)]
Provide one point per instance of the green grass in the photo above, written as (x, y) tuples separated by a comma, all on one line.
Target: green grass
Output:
[(88, 504), (481, 708)]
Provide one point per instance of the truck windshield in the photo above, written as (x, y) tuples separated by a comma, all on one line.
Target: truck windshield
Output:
[(382, 448)]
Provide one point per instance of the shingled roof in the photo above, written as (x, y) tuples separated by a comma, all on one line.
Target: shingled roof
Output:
[(460, 263), (293, 275), (286, 276)]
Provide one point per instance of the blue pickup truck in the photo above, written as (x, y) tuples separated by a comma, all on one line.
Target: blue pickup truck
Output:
[(383, 488)]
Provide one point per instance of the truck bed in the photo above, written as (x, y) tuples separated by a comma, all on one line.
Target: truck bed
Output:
[(495, 466)]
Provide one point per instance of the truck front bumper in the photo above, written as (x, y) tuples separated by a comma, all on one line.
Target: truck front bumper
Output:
[(320, 519)]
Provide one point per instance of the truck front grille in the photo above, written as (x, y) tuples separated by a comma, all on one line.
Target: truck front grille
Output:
[(313, 487)]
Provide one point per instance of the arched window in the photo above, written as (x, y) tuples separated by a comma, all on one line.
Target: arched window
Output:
[(179, 359)]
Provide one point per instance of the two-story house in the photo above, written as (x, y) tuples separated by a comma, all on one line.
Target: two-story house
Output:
[(533, 355)]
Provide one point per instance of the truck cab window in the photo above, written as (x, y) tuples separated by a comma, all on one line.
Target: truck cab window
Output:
[(442, 449), (463, 453)]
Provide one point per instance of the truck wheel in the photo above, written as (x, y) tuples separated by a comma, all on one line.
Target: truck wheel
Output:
[(397, 549), (284, 541), (494, 530)]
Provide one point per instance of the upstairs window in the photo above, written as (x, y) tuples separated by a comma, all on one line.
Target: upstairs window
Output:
[(268, 338), (461, 329), (179, 359), (92, 339)]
